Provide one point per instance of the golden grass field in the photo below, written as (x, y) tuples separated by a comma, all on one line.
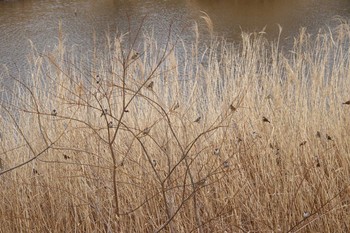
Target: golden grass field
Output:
[(243, 137)]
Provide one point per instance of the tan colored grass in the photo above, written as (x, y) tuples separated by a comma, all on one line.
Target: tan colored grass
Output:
[(162, 171)]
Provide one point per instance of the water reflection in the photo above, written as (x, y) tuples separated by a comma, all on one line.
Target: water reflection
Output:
[(230, 17), (37, 20)]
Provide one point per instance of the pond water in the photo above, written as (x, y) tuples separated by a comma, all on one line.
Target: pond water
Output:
[(37, 20)]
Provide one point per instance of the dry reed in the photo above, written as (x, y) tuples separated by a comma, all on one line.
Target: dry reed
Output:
[(236, 138)]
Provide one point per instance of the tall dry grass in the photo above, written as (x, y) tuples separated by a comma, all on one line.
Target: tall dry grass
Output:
[(236, 138)]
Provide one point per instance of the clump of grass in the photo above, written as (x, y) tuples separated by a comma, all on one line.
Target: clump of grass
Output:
[(238, 138)]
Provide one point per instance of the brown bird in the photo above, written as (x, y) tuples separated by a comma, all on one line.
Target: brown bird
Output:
[(135, 56), (329, 137), (318, 164), (200, 183), (176, 106), (54, 112), (154, 162), (303, 143), (347, 102), (233, 108), (217, 151), (265, 120), (150, 85), (226, 164), (318, 134), (104, 112), (98, 79), (198, 119), (146, 131)]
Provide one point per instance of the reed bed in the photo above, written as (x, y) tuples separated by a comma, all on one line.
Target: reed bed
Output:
[(236, 137)]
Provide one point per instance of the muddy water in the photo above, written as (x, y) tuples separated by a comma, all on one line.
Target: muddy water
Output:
[(22, 21)]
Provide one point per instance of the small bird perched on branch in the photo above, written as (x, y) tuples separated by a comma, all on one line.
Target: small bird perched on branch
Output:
[(347, 102), (104, 112), (176, 106), (135, 56), (98, 79), (150, 85), (146, 131), (265, 120), (217, 151), (302, 143), (54, 112), (198, 119), (318, 134)]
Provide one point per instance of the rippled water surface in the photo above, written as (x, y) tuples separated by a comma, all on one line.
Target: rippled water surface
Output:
[(37, 20)]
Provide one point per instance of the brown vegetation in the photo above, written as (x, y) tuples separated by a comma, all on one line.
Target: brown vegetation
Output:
[(237, 138)]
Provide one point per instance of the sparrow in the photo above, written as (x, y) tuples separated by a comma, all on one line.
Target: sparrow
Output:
[(104, 112), (198, 120), (176, 106), (110, 124), (318, 164), (233, 108), (329, 137), (226, 164), (200, 183), (146, 131), (150, 85), (318, 134), (306, 214), (54, 112), (255, 135), (154, 162), (303, 143), (134, 56), (216, 151), (264, 119)]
